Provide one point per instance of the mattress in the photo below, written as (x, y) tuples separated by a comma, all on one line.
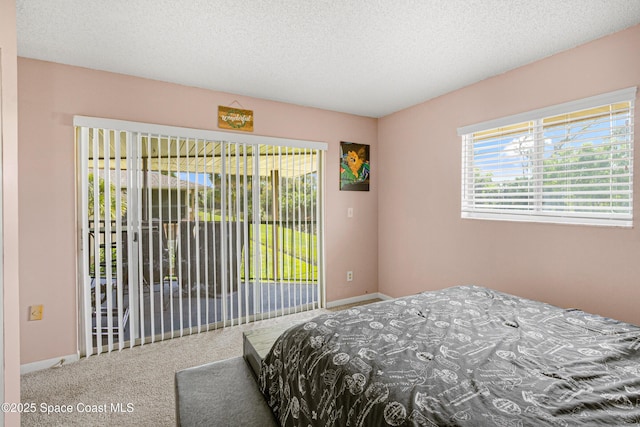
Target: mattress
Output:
[(461, 356)]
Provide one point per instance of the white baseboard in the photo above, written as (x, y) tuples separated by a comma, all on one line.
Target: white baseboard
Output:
[(49, 363), (64, 360), (361, 298)]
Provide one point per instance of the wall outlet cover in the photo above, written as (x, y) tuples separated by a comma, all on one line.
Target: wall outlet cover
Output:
[(35, 312)]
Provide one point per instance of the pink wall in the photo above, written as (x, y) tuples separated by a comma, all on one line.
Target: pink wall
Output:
[(51, 94), (412, 240), (422, 242), (10, 267)]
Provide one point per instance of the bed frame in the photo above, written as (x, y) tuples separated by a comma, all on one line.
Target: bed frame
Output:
[(220, 393), (226, 392)]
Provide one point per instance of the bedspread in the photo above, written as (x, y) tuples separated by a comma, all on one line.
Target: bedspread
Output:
[(467, 356)]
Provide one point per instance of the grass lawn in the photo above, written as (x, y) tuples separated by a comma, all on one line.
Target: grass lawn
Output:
[(296, 260), (297, 256)]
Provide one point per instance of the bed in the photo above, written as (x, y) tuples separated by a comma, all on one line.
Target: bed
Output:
[(461, 356)]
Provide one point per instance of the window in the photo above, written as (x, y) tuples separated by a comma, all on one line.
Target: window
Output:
[(570, 163), (183, 230)]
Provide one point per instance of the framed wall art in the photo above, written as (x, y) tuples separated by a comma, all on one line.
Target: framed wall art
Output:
[(355, 170)]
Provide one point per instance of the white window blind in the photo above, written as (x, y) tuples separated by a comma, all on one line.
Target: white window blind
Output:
[(569, 163), (186, 230)]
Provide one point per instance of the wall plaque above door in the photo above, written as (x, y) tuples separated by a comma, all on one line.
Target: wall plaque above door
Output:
[(235, 119)]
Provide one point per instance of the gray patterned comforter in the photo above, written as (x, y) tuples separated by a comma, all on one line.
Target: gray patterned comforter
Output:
[(462, 356)]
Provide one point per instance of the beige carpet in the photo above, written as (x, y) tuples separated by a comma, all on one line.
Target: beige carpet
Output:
[(140, 379)]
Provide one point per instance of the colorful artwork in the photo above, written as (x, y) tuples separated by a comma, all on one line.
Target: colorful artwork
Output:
[(354, 167)]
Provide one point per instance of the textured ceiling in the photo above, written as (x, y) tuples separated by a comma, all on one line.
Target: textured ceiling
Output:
[(366, 57)]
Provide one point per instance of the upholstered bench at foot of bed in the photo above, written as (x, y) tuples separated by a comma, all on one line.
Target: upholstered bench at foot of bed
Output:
[(221, 393)]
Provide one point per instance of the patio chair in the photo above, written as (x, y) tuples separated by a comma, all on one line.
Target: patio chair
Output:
[(157, 262), (198, 254)]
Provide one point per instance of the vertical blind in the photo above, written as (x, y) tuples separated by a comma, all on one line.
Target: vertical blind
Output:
[(182, 231), (571, 163)]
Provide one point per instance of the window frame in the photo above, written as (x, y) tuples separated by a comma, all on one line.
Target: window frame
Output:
[(535, 119)]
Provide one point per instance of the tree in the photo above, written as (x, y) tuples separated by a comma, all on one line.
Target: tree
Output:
[(101, 200)]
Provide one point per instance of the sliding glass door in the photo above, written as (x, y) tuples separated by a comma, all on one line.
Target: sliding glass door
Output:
[(183, 230)]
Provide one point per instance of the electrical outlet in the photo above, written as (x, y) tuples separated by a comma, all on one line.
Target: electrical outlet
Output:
[(349, 276), (35, 312)]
